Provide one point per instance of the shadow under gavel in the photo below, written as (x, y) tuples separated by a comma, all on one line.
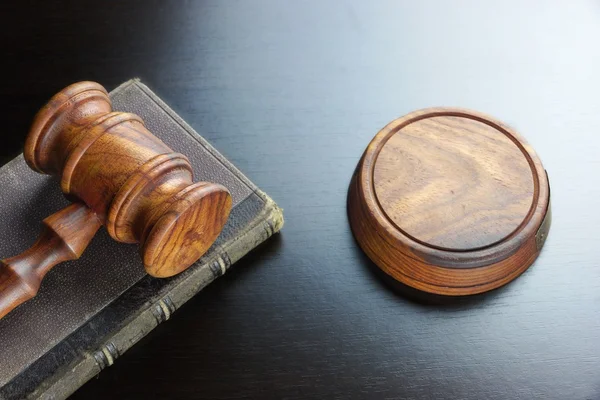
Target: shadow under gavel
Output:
[(118, 175)]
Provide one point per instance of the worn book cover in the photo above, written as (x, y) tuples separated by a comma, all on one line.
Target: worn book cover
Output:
[(89, 311)]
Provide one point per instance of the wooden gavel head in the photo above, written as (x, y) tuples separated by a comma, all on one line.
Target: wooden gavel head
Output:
[(135, 184), (119, 175)]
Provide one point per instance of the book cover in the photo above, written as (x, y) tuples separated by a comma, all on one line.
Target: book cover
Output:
[(89, 311)]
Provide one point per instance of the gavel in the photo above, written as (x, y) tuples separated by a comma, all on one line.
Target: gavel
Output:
[(119, 175)]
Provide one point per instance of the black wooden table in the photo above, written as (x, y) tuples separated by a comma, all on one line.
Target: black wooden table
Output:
[(292, 92)]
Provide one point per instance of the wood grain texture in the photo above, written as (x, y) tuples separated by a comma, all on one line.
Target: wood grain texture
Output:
[(450, 202), (64, 237), (453, 183), (291, 92), (131, 181), (170, 244), (137, 186)]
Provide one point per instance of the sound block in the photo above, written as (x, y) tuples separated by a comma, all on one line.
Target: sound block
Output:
[(450, 202)]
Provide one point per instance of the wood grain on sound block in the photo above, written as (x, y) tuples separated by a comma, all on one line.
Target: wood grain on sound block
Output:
[(450, 202)]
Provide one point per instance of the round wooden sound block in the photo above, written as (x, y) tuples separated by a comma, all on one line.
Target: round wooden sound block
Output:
[(450, 202)]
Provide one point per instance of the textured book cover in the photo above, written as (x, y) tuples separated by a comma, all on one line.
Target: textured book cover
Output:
[(89, 311)]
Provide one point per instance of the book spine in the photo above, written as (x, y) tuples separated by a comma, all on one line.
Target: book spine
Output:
[(67, 380)]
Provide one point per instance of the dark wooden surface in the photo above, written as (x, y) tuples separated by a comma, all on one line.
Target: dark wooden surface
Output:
[(292, 92)]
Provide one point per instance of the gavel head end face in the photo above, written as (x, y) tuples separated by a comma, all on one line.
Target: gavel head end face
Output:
[(187, 230)]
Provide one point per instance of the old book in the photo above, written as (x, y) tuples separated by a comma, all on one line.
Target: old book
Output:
[(90, 311)]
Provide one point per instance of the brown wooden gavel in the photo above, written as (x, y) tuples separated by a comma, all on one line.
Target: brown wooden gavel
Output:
[(119, 175)]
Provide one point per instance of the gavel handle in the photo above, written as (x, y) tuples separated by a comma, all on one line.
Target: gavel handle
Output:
[(65, 236)]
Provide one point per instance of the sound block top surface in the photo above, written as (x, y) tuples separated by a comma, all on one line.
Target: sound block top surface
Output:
[(450, 201)]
